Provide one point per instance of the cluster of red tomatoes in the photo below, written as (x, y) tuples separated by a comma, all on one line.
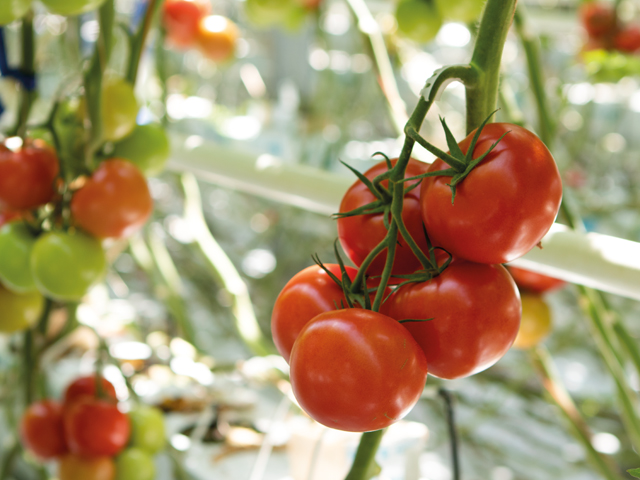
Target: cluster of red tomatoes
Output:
[(359, 370), (90, 436), (189, 25), (605, 31)]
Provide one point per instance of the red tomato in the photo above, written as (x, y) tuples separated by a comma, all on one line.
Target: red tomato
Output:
[(216, 37), (598, 19), (84, 387), (628, 39), (114, 202), (27, 176), (95, 427), (476, 314), (309, 293), (41, 429), (72, 467), (181, 18), (356, 370), (534, 282), (362, 233), (7, 216), (505, 205)]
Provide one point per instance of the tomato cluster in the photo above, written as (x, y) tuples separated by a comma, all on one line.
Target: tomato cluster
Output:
[(89, 435), (188, 24), (605, 30), (454, 308)]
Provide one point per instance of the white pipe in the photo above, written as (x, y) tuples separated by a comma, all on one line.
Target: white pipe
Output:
[(600, 261)]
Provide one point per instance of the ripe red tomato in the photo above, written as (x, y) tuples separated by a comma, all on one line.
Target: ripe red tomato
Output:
[(95, 427), (309, 293), (628, 39), (114, 202), (72, 467), (216, 37), (362, 233), (598, 19), (41, 429), (505, 205), (356, 370), (534, 282), (476, 314), (181, 19), (27, 176), (84, 387)]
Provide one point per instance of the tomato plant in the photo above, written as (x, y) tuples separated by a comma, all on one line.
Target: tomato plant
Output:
[(181, 18), (95, 427), (135, 464), (83, 387), (356, 370), (19, 310), (147, 429), (418, 20), (65, 264), (16, 244), (360, 234), (114, 202), (534, 282), (474, 311), (536, 321), (598, 19), (11, 10), (506, 204), (41, 429), (119, 109), (460, 10), (147, 148), (216, 37), (27, 176), (72, 467)]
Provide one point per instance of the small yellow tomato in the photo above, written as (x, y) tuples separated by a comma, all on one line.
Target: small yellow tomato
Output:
[(19, 311), (535, 323)]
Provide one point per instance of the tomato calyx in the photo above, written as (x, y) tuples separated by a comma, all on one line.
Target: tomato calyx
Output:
[(461, 164)]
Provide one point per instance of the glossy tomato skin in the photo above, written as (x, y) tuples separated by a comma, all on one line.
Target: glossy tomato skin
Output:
[(503, 207), (216, 37), (41, 429), (181, 18), (536, 321), (362, 233), (19, 310), (476, 314), (27, 176), (598, 19), (534, 282), (309, 293), (65, 265), (119, 109), (16, 244), (73, 467), (114, 202), (147, 429), (85, 387), (95, 427), (356, 370), (135, 464)]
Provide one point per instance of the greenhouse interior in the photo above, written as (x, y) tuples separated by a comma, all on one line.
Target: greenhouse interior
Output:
[(443, 195)]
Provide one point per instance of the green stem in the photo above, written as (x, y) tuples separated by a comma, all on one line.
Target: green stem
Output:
[(8, 460), (139, 40), (29, 367), (365, 456), (161, 70), (482, 94), (453, 435)]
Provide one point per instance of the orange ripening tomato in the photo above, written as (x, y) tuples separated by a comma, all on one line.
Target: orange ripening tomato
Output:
[(216, 37), (535, 323), (72, 467), (83, 387), (181, 17), (114, 202), (27, 176), (534, 282), (41, 429)]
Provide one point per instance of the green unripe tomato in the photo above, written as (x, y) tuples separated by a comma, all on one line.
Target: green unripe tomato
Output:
[(147, 429), (119, 109), (147, 147), (460, 10), (11, 10), (418, 20), (16, 244), (265, 13), (71, 7), (65, 265), (135, 464), (19, 311)]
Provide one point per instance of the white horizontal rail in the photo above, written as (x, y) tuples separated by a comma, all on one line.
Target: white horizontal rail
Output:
[(607, 263)]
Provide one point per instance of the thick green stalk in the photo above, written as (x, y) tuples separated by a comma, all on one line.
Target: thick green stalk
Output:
[(139, 40), (365, 456), (482, 95)]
